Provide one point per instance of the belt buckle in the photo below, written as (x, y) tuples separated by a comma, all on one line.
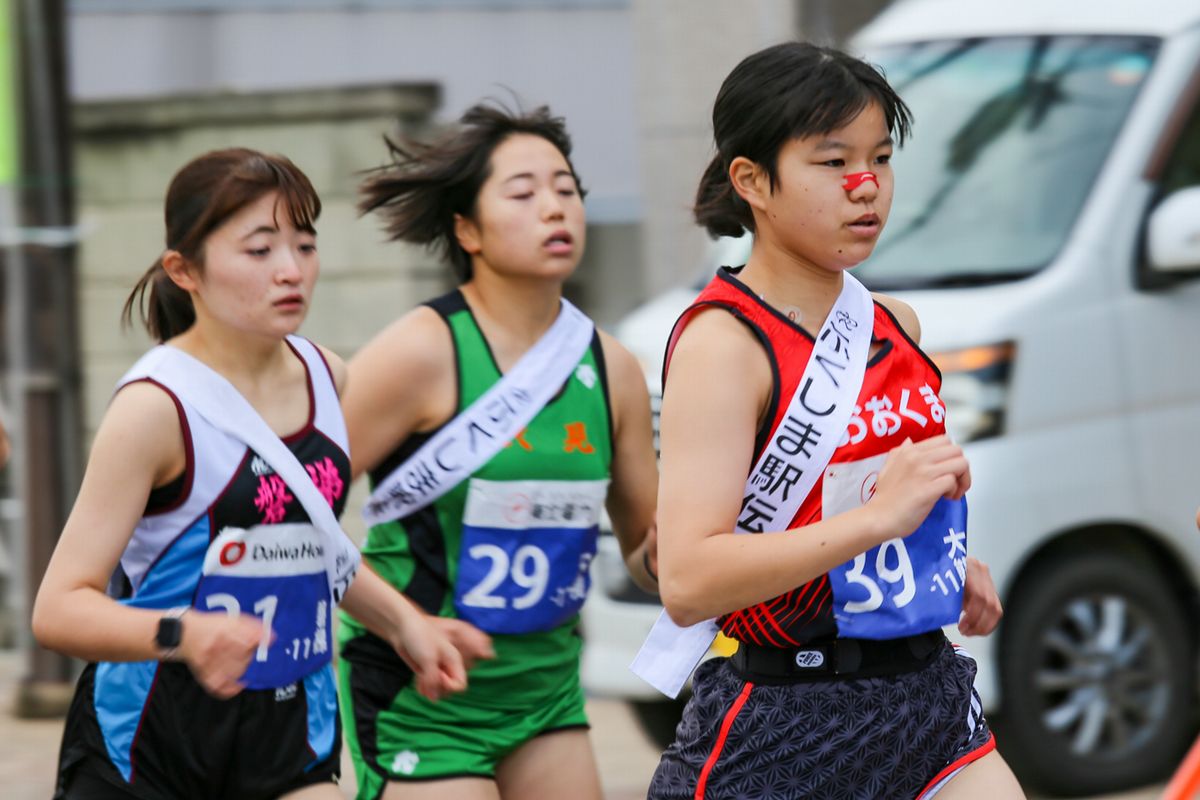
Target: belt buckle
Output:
[(813, 659)]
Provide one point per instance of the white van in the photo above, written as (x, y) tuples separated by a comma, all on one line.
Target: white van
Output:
[(1046, 228)]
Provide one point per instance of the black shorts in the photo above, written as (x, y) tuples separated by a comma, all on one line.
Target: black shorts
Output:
[(192, 746), (895, 736)]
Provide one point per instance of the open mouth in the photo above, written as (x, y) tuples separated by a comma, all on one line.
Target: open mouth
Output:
[(867, 223), (559, 243), (291, 301)]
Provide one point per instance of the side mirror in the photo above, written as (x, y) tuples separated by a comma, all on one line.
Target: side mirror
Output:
[(1173, 233)]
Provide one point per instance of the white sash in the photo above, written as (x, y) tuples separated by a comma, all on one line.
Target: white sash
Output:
[(469, 441), (221, 405), (805, 440)]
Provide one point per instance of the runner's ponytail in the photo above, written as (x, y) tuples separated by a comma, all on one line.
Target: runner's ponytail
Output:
[(165, 309), (719, 209)]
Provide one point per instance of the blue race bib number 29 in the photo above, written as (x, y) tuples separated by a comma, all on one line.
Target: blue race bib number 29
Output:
[(526, 550)]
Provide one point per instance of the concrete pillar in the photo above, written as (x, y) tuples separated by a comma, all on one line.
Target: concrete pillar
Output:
[(683, 50)]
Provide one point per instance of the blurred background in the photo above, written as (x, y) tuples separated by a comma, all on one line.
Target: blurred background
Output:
[(1035, 130)]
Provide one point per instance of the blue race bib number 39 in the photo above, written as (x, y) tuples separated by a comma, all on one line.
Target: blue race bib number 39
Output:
[(906, 585), (526, 550), (276, 573)]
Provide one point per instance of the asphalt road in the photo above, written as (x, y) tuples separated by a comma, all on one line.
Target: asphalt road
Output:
[(626, 757)]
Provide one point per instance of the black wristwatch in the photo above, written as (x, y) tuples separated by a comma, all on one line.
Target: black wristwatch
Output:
[(170, 632)]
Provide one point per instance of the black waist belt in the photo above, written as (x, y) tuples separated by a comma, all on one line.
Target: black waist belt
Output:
[(836, 659)]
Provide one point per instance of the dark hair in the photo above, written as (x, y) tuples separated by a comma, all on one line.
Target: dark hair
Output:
[(788, 91), (205, 193), (426, 184)]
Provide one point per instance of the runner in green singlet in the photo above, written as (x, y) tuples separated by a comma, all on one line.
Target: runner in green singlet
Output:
[(500, 197)]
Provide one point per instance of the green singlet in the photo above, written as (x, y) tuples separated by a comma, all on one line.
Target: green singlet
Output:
[(532, 686)]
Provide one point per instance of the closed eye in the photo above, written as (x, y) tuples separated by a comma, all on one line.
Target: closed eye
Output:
[(259, 252)]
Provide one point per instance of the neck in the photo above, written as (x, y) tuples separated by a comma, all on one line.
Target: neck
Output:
[(523, 309), (786, 281), (243, 359)]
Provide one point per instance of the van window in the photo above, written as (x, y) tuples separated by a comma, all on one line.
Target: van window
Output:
[(1009, 135), (1183, 168)]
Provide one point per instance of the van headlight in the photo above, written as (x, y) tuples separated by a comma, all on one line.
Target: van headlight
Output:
[(975, 390)]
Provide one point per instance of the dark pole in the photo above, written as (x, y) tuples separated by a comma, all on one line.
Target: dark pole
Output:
[(50, 385)]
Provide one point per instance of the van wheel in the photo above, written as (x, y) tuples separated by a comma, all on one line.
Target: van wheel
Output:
[(659, 718), (1096, 676)]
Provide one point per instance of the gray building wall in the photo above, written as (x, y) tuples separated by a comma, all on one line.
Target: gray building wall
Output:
[(685, 48), (575, 56)]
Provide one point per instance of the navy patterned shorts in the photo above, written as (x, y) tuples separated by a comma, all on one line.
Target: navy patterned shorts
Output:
[(898, 736)]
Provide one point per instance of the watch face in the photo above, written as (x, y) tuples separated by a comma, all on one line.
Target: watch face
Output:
[(170, 630)]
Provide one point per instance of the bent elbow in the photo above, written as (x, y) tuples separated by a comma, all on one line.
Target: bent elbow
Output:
[(42, 624), (680, 607), (684, 617), (47, 622)]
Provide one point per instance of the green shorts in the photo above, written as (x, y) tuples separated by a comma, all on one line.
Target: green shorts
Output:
[(395, 734)]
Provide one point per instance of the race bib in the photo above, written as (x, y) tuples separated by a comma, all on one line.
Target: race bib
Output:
[(906, 585), (526, 550), (276, 573)]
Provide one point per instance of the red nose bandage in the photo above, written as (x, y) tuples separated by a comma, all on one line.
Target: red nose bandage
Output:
[(857, 179)]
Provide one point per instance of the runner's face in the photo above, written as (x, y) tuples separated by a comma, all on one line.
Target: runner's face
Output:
[(529, 218), (259, 271), (811, 215)]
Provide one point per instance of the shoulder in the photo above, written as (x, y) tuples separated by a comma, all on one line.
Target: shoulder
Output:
[(904, 314), (143, 422), (715, 345), (626, 379), (718, 330), (420, 342), (146, 401), (622, 366), (337, 366), (628, 395)]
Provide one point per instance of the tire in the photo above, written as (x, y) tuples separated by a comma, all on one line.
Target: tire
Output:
[(1096, 675), (659, 718)]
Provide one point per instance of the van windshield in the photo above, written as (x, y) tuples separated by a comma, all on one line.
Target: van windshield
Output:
[(1009, 136)]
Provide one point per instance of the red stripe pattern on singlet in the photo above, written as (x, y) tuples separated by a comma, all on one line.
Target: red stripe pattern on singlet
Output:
[(898, 400)]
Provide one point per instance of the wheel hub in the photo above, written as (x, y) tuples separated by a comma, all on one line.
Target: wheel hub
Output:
[(1103, 678)]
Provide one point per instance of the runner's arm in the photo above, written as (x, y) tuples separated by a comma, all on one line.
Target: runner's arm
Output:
[(432, 652), (401, 382), (633, 493), (719, 385), (139, 445), (981, 603)]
